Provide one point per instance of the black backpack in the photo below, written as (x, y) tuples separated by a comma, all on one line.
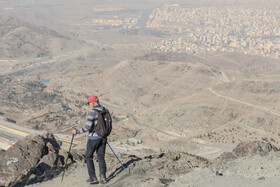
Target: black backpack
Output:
[(104, 123)]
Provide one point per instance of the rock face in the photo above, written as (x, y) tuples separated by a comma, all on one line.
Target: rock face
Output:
[(33, 155), (247, 148)]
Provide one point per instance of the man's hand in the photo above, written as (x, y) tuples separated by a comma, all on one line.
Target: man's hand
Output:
[(74, 131)]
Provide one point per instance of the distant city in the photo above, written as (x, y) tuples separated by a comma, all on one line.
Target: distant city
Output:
[(228, 29)]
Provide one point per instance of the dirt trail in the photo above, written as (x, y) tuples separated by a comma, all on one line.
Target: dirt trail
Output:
[(244, 103), (224, 78)]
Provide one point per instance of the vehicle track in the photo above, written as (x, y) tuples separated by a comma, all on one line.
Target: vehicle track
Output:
[(244, 103)]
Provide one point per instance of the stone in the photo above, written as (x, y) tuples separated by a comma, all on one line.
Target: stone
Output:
[(51, 148), (48, 161), (34, 154)]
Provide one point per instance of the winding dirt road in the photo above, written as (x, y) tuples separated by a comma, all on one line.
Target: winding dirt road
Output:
[(226, 79)]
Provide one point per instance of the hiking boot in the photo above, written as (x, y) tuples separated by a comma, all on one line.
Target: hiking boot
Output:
[(92, 180), (103, 179)]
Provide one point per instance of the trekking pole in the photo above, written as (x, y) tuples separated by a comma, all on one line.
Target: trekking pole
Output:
[(67, 157), (116, 156)]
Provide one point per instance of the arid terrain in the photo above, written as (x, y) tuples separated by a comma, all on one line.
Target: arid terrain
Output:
[(55, 54)]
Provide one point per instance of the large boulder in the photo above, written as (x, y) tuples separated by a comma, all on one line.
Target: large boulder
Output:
[(33, 155)]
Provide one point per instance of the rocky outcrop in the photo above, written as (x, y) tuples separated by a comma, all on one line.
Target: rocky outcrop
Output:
[(256, 147), (247, 148), (33, 155), (156, 169), (249, 160)]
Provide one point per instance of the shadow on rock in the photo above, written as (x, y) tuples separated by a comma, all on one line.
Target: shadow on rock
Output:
[(132, 160), (44, 172)]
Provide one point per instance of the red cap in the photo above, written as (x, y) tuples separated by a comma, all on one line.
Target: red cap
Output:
[(92, 99)]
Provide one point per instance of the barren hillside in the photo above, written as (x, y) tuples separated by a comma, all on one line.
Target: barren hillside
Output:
[(21, 39)]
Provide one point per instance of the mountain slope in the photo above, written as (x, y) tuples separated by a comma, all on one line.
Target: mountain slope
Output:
[(19, 39), (218, 98)]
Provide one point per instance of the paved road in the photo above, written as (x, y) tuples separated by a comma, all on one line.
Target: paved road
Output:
[(17, 132), (7, 133), (5, 143)]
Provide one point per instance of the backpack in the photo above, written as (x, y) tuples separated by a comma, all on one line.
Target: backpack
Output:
[(104, 123)]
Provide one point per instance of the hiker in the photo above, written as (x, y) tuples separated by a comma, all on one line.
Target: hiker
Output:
[(95, 142)]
